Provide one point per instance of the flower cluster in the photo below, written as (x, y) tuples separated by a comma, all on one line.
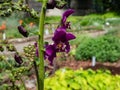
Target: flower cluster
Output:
[(61, 38)]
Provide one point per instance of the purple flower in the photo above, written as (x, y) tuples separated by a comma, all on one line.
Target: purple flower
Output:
[(50, 53), (23, 31), (65, 16), (18, 59), (61, 39)]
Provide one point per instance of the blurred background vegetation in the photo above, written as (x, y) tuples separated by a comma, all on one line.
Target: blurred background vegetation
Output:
[(90, 16)]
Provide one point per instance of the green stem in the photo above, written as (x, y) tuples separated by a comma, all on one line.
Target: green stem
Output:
[(11, 67), (41, 46), (37, 74)]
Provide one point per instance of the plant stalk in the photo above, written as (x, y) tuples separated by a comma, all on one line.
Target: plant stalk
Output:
[(37, 74), (41, 46)]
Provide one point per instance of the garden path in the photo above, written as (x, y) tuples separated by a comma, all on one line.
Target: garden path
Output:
[(19, 43)]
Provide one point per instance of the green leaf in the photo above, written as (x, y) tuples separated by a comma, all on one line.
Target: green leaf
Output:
[(75, 85)]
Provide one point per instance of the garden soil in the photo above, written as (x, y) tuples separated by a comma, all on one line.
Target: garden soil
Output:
[(73, 64)]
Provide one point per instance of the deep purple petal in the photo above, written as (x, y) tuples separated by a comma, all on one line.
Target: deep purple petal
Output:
[(70, 36), (59, 35), (50, 53), (51, 58), (50, 49), (66, 14)]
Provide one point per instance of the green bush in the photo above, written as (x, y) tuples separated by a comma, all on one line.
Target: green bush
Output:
[(104, 48), (94, 20), (80, 37), (110, 15), (66, 79)]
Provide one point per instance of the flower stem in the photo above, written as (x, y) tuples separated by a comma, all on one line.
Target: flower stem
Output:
[(37, 74), (41, 46)]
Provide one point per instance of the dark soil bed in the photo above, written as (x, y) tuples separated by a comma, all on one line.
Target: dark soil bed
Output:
[(73, 64)]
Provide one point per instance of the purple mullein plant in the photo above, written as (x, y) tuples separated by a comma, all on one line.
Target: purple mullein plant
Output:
[(23, 31), (61, 38)]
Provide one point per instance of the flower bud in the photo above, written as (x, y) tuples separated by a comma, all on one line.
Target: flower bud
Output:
[(23, 31), (18, 59)]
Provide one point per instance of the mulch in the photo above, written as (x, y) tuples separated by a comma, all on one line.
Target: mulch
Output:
[(73, 64)]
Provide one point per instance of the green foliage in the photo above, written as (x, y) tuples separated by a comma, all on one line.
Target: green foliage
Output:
[(4, 65), (52, 19), (66, 79), (113, 21), (10, 47), (1, 48), (88, 22), (80, 37), (110, 15), (10, 6), (2, 57), (104, 48), (11, 71), (92, 19)]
